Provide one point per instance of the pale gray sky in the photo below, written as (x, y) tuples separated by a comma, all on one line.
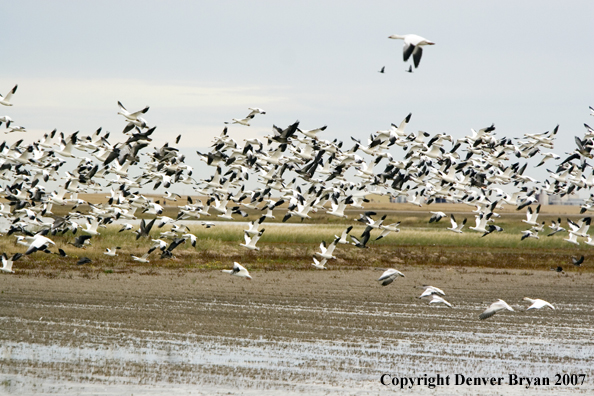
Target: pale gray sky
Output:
[(525, 66)]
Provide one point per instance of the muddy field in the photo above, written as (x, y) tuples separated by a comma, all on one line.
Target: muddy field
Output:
[(312, 332)]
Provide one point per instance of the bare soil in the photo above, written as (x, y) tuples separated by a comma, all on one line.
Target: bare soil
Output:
[(315, 332)]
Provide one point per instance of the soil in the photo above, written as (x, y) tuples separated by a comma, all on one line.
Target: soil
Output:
[(313, 332)]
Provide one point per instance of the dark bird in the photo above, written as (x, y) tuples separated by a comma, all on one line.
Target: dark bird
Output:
[(382, 70), (577, 261), (558, 269), (362, 243), (83, 260), (80, 241), (144, 229), (176, 242)]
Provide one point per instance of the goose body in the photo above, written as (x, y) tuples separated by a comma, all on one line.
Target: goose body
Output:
[(5, 100), (412, 46), (389, 276), (497, 306), (537, 303), (238, 270)]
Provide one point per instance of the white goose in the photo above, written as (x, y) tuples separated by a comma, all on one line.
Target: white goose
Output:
[(537, 303), (389, 276), (342, 239), (326, 252), (7, 262), (141, 259), (430, 291), (250, 243), (238, 270), (532, 216), (111, 252), (497, 306), (5, 100), (455, 226), (439, 300), (319, 264), (412, 46)]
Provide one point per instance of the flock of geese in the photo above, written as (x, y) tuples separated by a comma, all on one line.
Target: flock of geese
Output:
[(297, 171)]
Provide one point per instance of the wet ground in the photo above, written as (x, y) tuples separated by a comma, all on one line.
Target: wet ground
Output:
[(307, 332)]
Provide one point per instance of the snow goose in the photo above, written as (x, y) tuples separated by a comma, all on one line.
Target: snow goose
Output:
[(387, 229), (572, 239), (431, 290), (532, 216), (439, 300), (412, 46), (497, 306), (7, 120), (5, 100), (326, 251), (7, 262), (253, 226), (319, 264), (141, 259), (455, 226), (111, 252), (342, 239), (389, 276), (242, 121), (135, 116), (256, 110), (436, 216), (238, 270), (250, 243), (537, 303), (556, 227), (529, 234)]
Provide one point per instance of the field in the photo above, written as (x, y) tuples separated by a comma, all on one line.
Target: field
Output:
[(180, 326), (289, 246)]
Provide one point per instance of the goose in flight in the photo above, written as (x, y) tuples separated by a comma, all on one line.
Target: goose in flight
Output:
[(319, 264), (326, 252), (455, 226), (7, 262), (135, 116), (389, 276), (7, 120), (497, 306), (436, 216), (141, 259), (529, 234), (531, 216), (255, 110), (238, 270), (342, 239), (250, 242), (412, 46), (111, 252), (577, 261), (430, 291), (537, 303), (387, 229), (243, 121), (83, 261), (5, 100), (439, 300)]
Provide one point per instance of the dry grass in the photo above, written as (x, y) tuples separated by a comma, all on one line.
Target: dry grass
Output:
[(282, 247)]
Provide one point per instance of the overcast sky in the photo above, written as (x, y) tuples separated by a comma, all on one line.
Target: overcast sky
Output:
[(525, 66)]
